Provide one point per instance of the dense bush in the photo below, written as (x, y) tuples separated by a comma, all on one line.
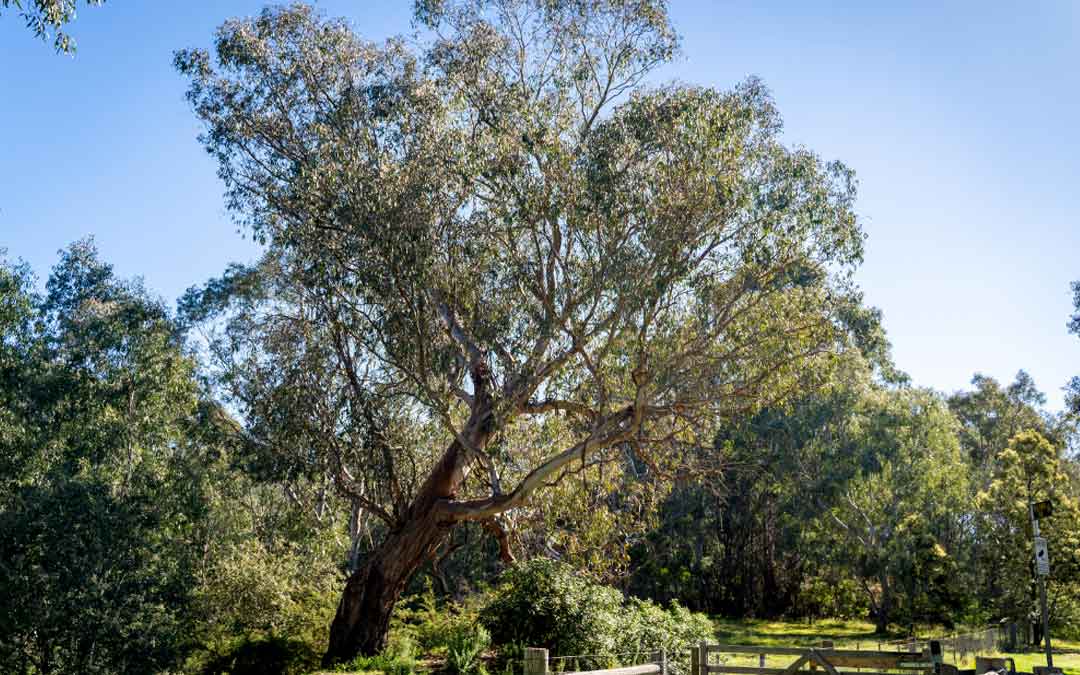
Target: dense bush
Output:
[(544, 603), (831, 597), (451, 631), (421, 622), (647, 627), (271, 598), (249, 589), (89, 583)]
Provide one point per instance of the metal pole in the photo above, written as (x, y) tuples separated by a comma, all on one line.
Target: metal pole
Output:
[(1046, 621), (1042, 592)]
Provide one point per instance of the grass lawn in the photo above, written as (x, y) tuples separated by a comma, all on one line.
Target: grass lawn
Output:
[(858, 635)]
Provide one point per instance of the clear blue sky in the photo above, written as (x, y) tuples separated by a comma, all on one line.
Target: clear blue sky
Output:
[(961, 122)]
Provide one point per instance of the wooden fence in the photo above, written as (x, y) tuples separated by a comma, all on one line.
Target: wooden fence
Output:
[(537, 662), (798, 660), (831, 661)]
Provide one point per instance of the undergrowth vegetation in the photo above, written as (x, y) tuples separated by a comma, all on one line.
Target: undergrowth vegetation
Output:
[(541, 603)]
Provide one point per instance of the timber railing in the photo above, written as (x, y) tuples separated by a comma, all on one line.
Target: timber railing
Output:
[(537, 662), (724, 659), (826, 658)]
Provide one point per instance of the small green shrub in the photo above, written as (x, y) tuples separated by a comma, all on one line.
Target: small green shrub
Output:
[(465, 649), (383, 663), (451, 631), (420, 621)]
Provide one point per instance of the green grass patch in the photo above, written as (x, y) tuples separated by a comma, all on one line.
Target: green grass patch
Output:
[(860, 635)]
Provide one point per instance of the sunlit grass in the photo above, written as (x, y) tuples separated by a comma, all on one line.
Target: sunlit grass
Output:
[(859, 635)]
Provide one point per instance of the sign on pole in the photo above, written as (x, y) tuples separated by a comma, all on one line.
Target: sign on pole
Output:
[(1043, 509), (1042, 557)]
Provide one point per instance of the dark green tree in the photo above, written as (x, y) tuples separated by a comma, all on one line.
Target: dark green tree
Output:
[(101, 498), (990, 414), (91, 582)]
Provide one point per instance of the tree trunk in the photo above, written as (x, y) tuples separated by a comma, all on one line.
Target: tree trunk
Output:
[(363, 614), (884, 609), (372, 590)]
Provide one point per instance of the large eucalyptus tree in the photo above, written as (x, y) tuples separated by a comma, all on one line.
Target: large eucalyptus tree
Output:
[(494, 256)]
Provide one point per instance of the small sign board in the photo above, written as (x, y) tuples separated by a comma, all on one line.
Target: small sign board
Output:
[(1043, 509), (1042, 557)]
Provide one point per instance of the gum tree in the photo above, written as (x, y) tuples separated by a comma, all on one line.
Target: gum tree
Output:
[(496, 257)]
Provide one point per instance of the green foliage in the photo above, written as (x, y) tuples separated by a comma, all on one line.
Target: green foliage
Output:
[(832, 595), (1030, 469), (451, 631), (254, 591), (645, 628), (897, 524), (544, 603), (423, 623), (102, 497), (465, 648), (47, 19), (990, 414), (380, 663), (90, 583)]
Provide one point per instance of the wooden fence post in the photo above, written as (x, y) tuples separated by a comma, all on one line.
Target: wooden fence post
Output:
[(695, 661), (536, 661), (663, 661), (702, 659)]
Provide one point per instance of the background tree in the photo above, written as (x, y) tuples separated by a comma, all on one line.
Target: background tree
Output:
[(100, 499), (738, 544), (474, 261), (899, 524), (991, 414), (1072, 389), (1029, 470)]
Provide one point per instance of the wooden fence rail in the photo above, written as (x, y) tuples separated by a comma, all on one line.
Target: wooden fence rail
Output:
[(799, 661), (826, 658), (537, 663)]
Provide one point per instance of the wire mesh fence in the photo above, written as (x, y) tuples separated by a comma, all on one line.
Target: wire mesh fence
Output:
[(961, 646), (676, 662), (577, 663)]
